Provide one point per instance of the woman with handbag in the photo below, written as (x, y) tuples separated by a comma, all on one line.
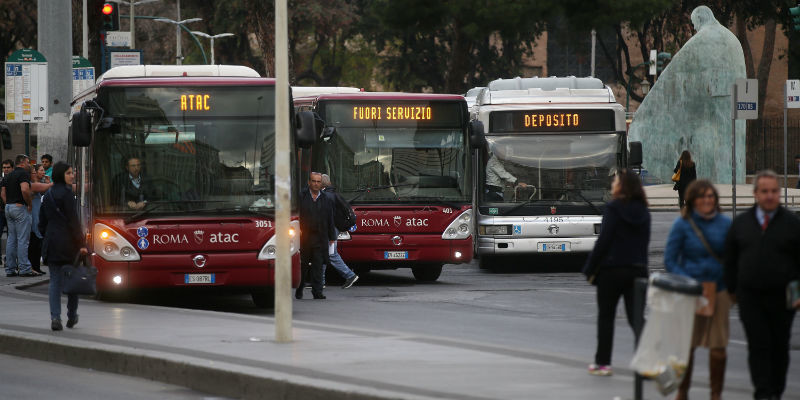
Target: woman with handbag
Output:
[(619, 257), (684, 174), (58, 219), (694, 249)]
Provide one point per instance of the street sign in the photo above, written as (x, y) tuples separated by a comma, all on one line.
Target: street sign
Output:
[(26, 87), (82, 75), (653, 62), (793, 93), (746, 99), (120, 58), (118, 39)]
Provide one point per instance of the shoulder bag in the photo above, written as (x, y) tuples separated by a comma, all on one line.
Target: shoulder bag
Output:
[(709, 288), (677, 176), (80, 277)]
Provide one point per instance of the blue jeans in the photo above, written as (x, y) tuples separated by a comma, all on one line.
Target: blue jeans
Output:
[(56, 282), (19, 234), (338, 264)]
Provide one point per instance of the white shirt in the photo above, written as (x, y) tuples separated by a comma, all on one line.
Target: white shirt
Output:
[(496, 173)]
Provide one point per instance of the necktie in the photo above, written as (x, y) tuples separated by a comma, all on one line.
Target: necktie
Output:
[(766, 222)]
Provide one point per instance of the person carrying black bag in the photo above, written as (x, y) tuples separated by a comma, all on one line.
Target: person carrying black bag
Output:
[(619, 257), (58, 219)]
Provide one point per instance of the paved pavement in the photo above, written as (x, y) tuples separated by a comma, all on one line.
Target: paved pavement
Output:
[(663, 197)]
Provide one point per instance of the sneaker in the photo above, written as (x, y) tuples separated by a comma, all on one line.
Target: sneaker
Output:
[(350, 282), (56, 325), (11, 274), (72, 322), (600, 370)]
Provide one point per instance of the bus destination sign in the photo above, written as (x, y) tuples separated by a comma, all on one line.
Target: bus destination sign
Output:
[(552, 120), (195, 102), (394, 114)]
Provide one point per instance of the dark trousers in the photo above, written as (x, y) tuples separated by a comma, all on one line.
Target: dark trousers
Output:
[(311, 260), (768, 326), (681, 191), (35, 252), (613, 283)]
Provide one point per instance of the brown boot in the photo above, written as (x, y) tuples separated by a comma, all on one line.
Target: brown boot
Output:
[(683, 390), (717, 358)]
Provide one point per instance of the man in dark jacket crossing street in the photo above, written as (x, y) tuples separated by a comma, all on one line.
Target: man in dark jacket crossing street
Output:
[(317, 234), (762, 255)]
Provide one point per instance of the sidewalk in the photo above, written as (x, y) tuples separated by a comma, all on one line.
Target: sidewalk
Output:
[(236, 356), (663, 197)]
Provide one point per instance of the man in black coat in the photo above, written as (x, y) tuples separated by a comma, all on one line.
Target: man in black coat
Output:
[(762, 255), (131, 189), (317, 233)]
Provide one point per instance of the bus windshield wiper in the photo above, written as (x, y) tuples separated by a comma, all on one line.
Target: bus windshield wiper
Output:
[(518, 206), (578, 192)]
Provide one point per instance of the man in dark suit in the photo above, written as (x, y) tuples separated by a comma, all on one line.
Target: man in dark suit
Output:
[(762, 255), (317, 234), (130, 188)]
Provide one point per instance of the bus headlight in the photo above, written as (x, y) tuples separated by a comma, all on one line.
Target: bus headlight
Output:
[(111, 246), (460, 228), (270, 249)]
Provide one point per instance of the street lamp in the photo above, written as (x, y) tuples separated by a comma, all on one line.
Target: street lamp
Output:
[(131, 15), (178, 25), (205, 35), (645, 86)]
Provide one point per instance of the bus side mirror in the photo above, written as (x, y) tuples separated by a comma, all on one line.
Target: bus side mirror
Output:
[(306, 129), (81, 128), (5, 136), (476, 136), (635, 156), (328, 132)]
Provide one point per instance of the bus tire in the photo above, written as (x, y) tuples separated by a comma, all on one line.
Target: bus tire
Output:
[(263, 297), (486, 262), (115, 296), (427, 273)]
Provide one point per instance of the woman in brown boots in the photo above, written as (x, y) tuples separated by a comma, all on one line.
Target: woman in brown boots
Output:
[(694, 249)]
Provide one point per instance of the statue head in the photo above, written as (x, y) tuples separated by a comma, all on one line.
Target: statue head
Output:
[(702, 17)]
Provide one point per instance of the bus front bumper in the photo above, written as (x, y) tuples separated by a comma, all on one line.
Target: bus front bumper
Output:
[(380, 250), (490, 245)]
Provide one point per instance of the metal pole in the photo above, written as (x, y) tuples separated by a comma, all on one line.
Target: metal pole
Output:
[(212, 51), (85, 48), (133, 27), (785, 151), (28, 139), (733, 149), (594, 40), (283, 261), (639, 296), (178, 54)]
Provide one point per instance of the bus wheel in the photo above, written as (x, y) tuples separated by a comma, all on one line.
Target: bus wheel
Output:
[(264, 297), (117, 296), (427, 273), (486, 262)]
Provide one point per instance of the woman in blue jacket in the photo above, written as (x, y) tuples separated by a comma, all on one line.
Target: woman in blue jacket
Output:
[(687, 255), (58, 219), (619, 257)]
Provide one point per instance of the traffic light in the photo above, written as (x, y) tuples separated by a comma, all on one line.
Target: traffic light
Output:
[(110, 17), (795, 13), (663, 59)]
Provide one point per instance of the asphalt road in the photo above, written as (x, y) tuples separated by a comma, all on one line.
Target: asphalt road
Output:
[(534, 303), (31, 379)]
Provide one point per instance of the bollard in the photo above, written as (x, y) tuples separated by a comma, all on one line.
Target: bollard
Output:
[(639, 297)]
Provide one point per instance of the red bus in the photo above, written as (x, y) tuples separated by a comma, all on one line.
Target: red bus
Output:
[(175, 178), (403, 163)]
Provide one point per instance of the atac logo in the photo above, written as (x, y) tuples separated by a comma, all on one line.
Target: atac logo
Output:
[(398, 220), (553, 209), (198, 236)]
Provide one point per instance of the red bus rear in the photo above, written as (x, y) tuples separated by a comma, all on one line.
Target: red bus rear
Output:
[(403, 162), (176, 179)]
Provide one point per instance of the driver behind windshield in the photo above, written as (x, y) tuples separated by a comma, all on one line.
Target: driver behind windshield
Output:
[(131, 187), (496, 174)]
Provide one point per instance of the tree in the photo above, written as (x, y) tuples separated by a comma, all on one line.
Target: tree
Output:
[(17, 25)]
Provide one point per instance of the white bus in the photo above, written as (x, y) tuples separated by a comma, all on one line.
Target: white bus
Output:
[(544, 174)]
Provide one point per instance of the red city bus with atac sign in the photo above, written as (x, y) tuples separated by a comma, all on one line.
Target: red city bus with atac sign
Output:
[(175, 178), (403, 163)]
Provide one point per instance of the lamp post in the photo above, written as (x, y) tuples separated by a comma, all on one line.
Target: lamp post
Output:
[(131, 16), (178, 25), (628, 86), (212, 37)]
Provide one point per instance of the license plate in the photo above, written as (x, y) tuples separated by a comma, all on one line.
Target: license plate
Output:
[(555, 247), (198, 278), (395, 255)]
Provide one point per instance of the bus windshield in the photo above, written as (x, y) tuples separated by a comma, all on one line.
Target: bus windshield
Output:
[(560, 169), (398, 164), (184, 150)]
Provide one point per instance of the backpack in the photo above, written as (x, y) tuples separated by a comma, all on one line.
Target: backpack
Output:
[(343, 216)]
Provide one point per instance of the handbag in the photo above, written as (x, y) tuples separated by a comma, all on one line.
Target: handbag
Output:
[(677, 176), (80, 277), (709, 288)]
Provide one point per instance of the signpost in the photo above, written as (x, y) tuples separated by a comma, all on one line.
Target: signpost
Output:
[(118, 39), (744, 105), (26, 90), (82, 75), (791, 97)]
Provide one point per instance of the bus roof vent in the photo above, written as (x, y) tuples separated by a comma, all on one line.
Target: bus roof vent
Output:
[(145, 71), (553, 89)]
